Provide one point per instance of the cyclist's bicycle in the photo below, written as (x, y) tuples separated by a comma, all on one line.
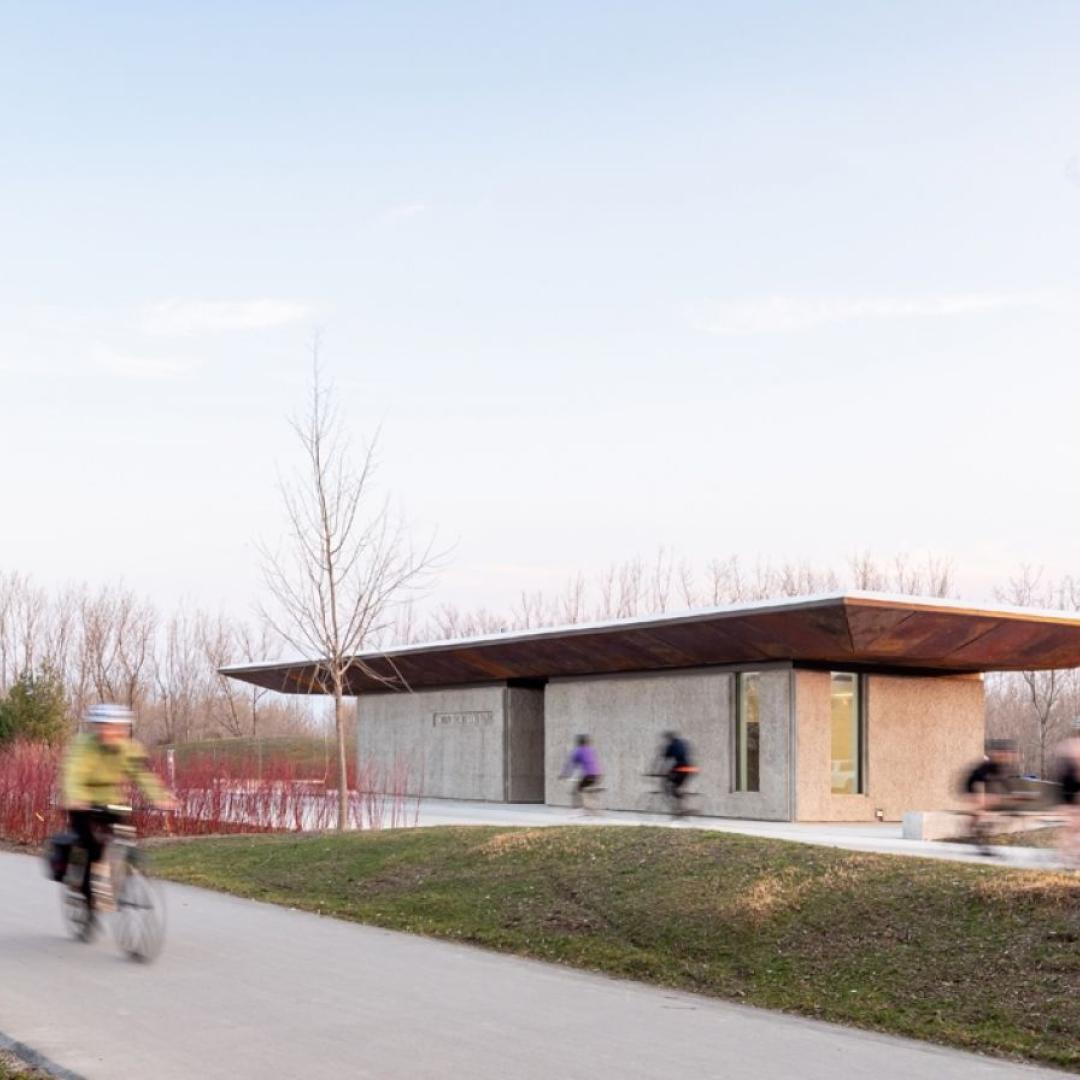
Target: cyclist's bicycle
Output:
[(987, 822), (586, 799), (139, 917), (677, 801)]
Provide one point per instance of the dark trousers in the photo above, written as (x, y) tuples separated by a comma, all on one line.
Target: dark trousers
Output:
[(675, 780), (91, 827)]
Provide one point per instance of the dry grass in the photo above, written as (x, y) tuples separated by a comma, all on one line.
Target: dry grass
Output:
[(13, 1068)]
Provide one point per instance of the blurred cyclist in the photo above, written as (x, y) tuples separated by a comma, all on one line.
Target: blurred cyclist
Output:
[(99, 764), (583, 761), (991, 787), (1068, 775), (678, 767)]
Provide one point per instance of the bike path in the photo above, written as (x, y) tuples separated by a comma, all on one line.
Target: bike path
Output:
[(246, 990)]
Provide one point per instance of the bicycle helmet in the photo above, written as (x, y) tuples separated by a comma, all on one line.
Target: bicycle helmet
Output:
[(110, 714)]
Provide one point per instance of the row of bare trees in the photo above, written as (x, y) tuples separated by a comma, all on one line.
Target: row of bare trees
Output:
[(109, 644), (666, 583)]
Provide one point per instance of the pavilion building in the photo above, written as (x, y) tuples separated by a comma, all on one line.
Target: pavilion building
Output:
[(846, 707)]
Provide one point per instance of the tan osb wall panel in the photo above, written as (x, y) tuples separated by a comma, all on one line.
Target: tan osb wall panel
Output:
[(921, 734)]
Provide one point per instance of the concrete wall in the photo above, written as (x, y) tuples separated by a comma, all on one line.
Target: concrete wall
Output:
[(452, 739), (920, 733), (625, 715), (524, 745)]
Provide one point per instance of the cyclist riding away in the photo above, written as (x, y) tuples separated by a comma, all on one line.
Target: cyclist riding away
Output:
[(98, 766), (990, 787), (1068, 773), (679, 766)]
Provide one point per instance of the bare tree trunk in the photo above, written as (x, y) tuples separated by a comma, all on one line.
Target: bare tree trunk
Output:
[(342, 762)]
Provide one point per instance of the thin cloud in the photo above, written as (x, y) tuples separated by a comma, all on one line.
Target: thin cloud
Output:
[(124, 365), (183, 317), (401, 213), (787, 314)]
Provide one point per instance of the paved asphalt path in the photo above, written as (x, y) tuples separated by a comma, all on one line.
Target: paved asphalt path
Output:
[(250, 990)]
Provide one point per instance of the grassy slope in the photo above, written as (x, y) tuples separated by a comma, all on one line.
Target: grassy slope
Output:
[(982, 959)]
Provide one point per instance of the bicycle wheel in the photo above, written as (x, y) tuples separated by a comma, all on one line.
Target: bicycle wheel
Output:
[(140, 916)]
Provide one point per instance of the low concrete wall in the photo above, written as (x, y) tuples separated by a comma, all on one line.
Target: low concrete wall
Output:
[(921, 733), (625, 716), (452, 740)]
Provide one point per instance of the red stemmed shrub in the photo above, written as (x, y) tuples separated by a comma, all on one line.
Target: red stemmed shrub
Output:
[(28, 795), (212, 797)]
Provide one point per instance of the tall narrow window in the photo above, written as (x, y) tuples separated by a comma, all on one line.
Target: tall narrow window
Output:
[(748, 731), (847, 734)]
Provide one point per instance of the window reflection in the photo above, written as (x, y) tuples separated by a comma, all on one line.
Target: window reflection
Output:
[(748, 732), (846, 754)]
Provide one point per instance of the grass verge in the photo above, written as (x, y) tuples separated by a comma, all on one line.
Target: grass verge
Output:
[(13, 1068), (977, 958)]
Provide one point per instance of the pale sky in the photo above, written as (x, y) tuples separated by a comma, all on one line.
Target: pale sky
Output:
[(779, 280)]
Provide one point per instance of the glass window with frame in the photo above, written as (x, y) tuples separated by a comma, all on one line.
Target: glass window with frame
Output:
[(846, 755), (748, 731)]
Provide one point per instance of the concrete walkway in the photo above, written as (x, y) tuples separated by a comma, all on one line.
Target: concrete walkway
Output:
[(247, 990), (882, 838)]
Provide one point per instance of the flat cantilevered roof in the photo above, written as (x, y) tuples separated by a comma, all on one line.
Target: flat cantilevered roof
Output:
[(858, 629)]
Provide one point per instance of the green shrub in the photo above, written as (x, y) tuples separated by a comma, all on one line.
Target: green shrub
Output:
[(35, 709)]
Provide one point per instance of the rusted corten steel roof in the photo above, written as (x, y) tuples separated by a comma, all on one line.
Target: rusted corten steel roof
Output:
[(863, 630)]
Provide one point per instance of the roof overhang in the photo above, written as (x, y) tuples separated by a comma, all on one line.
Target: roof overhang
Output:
[(860, 630)]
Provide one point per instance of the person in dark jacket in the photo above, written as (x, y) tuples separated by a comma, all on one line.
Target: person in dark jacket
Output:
[(678, 767), (990, 787)]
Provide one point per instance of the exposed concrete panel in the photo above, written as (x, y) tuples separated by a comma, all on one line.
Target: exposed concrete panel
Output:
[(524, 745), (625, 716), (451, 740), (920, 734)]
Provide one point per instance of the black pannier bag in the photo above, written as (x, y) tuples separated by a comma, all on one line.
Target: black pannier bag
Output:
[(58, 854)]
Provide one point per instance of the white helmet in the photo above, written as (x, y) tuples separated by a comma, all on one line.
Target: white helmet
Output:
[(110, 714)]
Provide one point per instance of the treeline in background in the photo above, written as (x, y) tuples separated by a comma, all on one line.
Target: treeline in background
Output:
[(64, 649)]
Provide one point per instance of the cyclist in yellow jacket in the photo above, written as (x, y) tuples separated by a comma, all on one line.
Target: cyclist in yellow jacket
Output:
[(98, 767)]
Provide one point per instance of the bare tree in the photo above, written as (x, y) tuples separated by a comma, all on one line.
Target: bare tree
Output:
[(531, 610), (348, 562), (179, 668), (24, 616), (118, 638), (630, 582), (572, 604), (686, 585), (1044, 690), (606, 585), (866, 574)]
